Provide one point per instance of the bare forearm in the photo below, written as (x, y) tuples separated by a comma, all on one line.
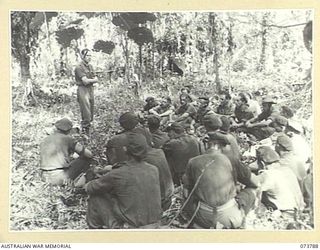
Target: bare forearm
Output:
[(182, 117), (168, 112), (87, 81)]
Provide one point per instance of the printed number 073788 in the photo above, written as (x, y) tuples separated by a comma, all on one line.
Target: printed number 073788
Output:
[(309, 245)]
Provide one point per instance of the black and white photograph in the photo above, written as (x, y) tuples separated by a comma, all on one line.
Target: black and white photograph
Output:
[(161, 120)]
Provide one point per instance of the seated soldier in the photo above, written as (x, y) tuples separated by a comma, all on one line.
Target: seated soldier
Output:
[(243, 174), (185, 114), (150, 103), (253, 105), (158, 137), (115, 149), (156, 157), (212, 123), (241, 113), (279, 123), (284, 148), (226, 107), (179, 149), (307, 188), (265, 124), (164, 110), (279, 186), (56, 165), (286, 112), (186, 90), (211, 185), (128, 196), (203, 110), (301, 147), (225, 129)]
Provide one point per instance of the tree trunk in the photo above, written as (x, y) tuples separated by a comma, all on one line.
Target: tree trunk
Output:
[(62, 63), (51, 72), (140, 63), (146, 63), (216, 69), (161, 63), (126, 51), (25, 54), (25, 66), (47, 32), (262, 61), (214, 38), (153, 57)]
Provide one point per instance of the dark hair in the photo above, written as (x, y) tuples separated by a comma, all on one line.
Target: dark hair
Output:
[(175, 127), (168, 99), (153, 122), (150, 99), (188, 98), (227, 95), (137, 146), (243, 98), (286, 112), (84, 52)]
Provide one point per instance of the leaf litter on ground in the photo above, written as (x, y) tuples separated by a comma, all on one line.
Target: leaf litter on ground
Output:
[(35, 205)]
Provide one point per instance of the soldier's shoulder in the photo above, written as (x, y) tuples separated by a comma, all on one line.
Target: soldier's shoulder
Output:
[(79, 65), (117, 140), (156, 151)]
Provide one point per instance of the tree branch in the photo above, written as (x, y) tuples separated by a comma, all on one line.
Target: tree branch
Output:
[(284, 26), (270, 25)]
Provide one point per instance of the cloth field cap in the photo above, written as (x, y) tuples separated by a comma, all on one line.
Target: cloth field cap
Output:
[(268, 99), (212, 121), (267, 155), (217, 136), (285, 142), (128, 120), (64, 124), (137, 144), (176, 127)]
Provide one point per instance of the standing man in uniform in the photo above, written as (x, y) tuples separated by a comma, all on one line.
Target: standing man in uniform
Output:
[(85, 78)]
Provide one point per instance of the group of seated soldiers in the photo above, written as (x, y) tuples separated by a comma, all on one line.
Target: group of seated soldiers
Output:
[(193, 146)]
